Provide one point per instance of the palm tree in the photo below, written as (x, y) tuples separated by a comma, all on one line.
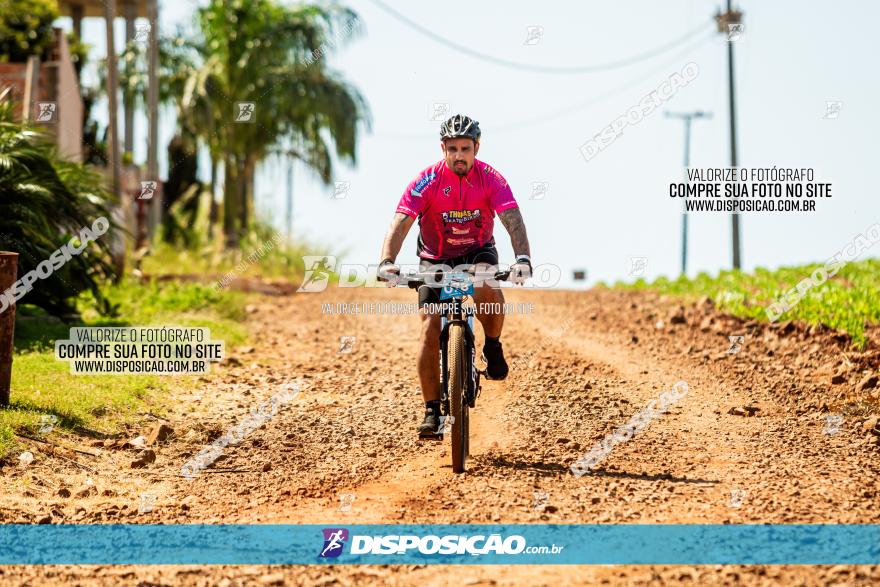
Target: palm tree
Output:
[(262, 52)]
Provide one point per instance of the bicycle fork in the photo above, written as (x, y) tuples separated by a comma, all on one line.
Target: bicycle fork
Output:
[(473, 375), (444, 367)]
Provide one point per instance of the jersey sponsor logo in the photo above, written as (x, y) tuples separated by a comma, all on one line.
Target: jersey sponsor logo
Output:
[(489, 169), (460, 216), (423, 183), (461, 241), (447, 189), (460, 230)]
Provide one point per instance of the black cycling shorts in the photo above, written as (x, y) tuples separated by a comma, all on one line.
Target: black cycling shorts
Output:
[(430, 294)]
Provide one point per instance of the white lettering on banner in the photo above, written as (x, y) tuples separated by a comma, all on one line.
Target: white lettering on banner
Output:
[(318, 270), (432, 544)]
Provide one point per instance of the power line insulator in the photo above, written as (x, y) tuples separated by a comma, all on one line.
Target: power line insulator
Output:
[(728, 18)]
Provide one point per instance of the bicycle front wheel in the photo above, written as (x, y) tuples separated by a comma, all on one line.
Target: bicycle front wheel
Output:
[(458, 408)]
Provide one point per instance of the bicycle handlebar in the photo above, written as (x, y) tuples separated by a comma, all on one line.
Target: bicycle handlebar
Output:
[(420, 278)]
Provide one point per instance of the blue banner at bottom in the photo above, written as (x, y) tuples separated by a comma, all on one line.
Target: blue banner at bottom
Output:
[(491, 544)]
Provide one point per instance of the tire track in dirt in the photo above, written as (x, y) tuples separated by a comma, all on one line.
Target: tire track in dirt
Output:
[(412, 480), (795, 480), (353, 431)]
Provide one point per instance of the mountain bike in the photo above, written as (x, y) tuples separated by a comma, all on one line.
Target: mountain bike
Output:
[(459, 375)]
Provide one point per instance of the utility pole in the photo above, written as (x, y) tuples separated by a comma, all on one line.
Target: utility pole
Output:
[(157, 203), (8, 274), (289, 199), (730, 23), (686, 117), (112, 86)]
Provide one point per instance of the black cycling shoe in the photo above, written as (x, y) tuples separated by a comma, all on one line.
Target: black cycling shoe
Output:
[(428, 429), (496, 366)]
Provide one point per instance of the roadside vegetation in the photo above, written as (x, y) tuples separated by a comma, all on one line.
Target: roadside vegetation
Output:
[(847, 302), (44, 391)]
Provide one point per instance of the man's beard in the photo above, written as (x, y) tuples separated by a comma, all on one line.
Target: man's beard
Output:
[(460, 169)]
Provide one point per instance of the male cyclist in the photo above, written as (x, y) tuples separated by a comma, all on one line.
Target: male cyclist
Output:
[(455, 201)]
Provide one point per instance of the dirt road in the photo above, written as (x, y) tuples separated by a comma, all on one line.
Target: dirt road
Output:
[(778, 432)]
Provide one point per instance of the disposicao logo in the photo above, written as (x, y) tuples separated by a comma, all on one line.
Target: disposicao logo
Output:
[(473, 545), (317, 272), (336, 538), (334, 541)]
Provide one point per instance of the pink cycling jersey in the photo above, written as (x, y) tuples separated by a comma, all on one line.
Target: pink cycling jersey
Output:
[(455, 212)]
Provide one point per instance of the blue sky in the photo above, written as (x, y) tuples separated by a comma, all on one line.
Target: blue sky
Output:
[(793, 57)]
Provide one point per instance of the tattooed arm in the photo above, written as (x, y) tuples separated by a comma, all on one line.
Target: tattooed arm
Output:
[(516, 228), (395, 236)]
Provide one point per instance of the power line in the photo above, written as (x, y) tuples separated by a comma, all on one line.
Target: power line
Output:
[(539, 68), (687, 118), (515, 126), (521, 124)]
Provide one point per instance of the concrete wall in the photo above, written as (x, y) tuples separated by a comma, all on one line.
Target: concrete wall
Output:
[(64, 90), (56, 82)]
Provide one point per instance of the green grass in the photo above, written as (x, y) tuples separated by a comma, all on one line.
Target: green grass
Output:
[(264, 254), (86, 404), (176, 304), (845, 302)]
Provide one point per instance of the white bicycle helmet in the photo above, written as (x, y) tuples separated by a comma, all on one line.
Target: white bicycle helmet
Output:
[(460, 126)]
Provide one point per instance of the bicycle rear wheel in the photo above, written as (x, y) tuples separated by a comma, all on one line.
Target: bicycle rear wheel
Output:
[(458, 408)]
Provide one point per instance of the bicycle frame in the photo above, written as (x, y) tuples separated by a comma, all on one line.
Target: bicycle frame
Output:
[(464, 315), (455, 312)]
